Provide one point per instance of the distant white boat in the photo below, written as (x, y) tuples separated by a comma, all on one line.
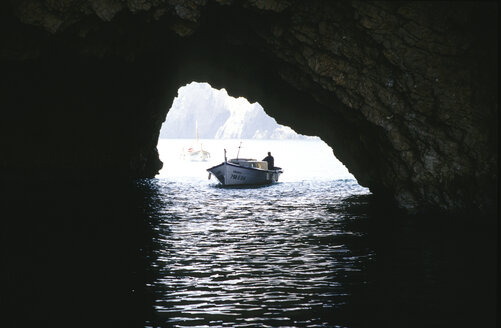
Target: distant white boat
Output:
[(197, 153), (244, 171)]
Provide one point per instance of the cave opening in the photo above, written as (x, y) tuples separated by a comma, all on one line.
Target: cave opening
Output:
[(77, 105), (405, 92), (204, 121)]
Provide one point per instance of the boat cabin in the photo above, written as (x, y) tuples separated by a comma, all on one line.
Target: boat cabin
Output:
[(252, 163)]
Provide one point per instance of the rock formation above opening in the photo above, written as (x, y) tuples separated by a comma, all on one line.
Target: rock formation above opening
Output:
[(404, 92)]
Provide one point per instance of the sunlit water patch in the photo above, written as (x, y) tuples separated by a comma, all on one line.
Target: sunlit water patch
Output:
[(276, 255), (301, 160)]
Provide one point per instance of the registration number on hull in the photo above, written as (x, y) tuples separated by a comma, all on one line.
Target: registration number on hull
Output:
[(237, 177)]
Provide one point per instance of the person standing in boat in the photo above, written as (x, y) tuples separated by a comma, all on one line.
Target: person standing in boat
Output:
[(270, 160)]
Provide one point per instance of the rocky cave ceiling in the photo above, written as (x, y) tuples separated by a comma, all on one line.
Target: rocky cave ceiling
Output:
[(404, 92)]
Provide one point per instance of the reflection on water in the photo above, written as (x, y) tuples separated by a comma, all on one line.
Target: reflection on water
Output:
[(247, 257), (167, 254)]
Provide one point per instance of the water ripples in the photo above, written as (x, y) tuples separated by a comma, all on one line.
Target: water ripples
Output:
[(277, 255), (160, 253)]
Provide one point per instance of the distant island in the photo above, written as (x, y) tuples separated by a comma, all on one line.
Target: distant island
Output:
[(220, 116)]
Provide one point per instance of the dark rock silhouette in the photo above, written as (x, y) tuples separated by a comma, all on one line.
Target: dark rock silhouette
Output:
[(404, 92)]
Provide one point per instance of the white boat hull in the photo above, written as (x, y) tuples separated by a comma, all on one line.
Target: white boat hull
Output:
[(199, 156), (231, 174), (195, 155)]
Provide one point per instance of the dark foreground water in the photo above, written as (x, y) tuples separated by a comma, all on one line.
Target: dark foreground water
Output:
[(155, 253)]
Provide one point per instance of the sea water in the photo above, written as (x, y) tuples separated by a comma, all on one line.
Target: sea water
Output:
[(314, 250), (268, 256), (301, 160)]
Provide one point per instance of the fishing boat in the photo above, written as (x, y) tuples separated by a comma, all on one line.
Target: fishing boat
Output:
[(244, 171)]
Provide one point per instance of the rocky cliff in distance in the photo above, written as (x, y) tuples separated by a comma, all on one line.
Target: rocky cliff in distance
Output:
[(200, 110), (404, 92)]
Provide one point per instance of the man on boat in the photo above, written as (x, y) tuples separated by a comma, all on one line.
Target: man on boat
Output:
[(270, 160)]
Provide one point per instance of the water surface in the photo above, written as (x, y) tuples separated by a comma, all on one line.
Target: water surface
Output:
[(276, 255), (180, 251)]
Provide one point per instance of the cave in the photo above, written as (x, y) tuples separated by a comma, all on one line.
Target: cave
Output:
[(404, 92)]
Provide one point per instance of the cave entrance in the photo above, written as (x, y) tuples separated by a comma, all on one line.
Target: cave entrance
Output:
[(209, 120)]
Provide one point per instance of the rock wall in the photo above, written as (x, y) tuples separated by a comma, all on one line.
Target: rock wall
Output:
[(404, 92)]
